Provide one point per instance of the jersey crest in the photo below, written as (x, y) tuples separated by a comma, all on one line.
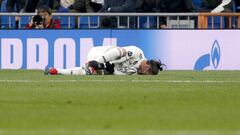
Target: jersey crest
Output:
[(130, 53)]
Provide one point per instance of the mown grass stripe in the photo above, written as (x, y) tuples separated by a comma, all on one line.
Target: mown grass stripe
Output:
[(134, 81)]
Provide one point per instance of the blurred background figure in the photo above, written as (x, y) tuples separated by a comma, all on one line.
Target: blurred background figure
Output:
[(15, 6), (32, 5), (215, 6), (168, 6), (44, 19), (97, 4), (218, 6), (80, 6), (117, 6), (237, 5), (1, 3), (66, 3), (86, 6)]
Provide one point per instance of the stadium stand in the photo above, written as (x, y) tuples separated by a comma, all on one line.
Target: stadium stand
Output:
[(91, 20), (142, 19)]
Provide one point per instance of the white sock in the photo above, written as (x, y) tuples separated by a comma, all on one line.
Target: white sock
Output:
[(72, 71)]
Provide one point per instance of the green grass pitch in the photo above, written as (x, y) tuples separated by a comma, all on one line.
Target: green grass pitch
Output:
[(172, 103)]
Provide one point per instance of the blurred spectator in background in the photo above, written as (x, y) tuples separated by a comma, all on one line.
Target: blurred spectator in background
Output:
[(44, 20), (32, 5), (140, 5), (237, 5), (117, 6), (168, 6), (154, 6), (216, 6), (74, 5), (96, 4), (80, 6), (1, 3), (15, 5), (66, 3), (85, 6), (176, 6)]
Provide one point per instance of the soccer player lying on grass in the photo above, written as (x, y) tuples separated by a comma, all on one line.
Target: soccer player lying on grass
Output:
[(107, 60)]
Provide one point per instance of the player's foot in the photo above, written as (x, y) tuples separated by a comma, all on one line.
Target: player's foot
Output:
[(51, 71)]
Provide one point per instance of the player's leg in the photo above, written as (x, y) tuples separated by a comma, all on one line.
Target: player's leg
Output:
[(106, 53), (96, 52), (73, 71), (112, 54)]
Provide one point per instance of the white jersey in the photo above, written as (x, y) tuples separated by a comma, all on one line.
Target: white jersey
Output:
[(124, 65)]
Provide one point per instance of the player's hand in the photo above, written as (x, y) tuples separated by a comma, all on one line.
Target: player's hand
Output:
[(109, 67)]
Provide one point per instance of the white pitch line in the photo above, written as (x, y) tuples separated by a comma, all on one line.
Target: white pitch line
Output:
[(117, 132), (185, 81), (133, 81)]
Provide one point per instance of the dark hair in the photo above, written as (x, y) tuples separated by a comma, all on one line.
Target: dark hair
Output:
[(44, 9), (156, 66)]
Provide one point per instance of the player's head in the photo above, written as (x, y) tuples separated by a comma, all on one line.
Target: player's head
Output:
[(150, 67)]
